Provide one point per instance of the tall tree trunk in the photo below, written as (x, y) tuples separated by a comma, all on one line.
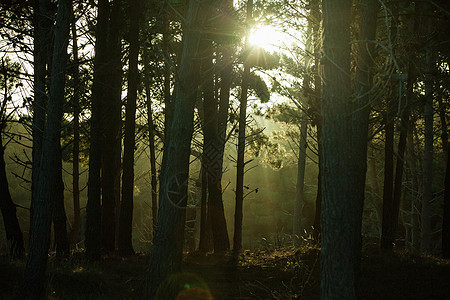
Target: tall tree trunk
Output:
[(225, 73), (338, 210), (42, 44), (301, 165), (446, 215), (33, 283), (59, 215), (168, 241), (93, 208), (168, 105), (425, 11), (112, 124), (344, 136), (74, 234), (301, 161), (126, 208), (238, 213), (12, 228), (151, 135), (387, 237), (398, 181), (317, 107), (387, 228), (212, 153), (360, 114)]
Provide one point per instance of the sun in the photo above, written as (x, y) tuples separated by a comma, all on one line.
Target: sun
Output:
[(266, 37)]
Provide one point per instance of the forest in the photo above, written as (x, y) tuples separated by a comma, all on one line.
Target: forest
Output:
[(224, 149)]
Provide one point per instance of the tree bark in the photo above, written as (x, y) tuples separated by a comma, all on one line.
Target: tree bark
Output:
[(32, 286), (238, 213), (213, 156), (42, 45), (59, 215), (112, 124), (338, 211), (446, 214), (151, 134), (425, 11), (93, 208), (168, 241), (12, 227), (126, 208), (74, 233), (387, 238), (301, 165), (344, 142), (317, 107)]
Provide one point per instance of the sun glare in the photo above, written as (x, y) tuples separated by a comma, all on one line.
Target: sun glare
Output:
[(266, 37)]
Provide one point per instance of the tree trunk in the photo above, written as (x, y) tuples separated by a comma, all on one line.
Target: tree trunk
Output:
[(317, 108), (344, 152), (213, 156), (59, 215), (112, 124), (151, 135), (93, 208), (389, 215), (387, 238), (360, 115), (33, 283), (338, 211), (42, 45), (238, 213), (12, 227), (168, 105), (74, 233), (425, 12), (398, 182), (446, 215), (168, 241), (126, 208), (300, 181)]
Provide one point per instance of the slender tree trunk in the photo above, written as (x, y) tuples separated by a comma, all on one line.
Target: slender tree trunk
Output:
[(151, 134), (238, 213), (446, 215), (425, 15), (301, 161), (317, 107), (389, 215), (126, 209), (93, 208), (301, 165), (398, 182), (74, 234), (387, 238), (212, 153), (168, 105), (168, 241), (414, 189), (32, 286), (42, 45), (59, 215), (203, 244), (360, 115), (112, 124), (12, 228)]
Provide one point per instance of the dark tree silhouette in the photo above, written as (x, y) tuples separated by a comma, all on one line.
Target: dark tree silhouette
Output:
[(168, 240), (93, 208), (126, 209), (32, 286)]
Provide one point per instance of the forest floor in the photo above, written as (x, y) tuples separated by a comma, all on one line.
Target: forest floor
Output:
[(275, 274)]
